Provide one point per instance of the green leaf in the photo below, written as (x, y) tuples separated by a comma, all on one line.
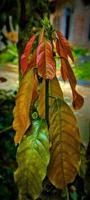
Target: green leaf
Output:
[(33, 158)]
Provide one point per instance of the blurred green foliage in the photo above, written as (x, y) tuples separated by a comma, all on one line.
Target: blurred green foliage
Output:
[(9, 55), (8, 190), (82, 71)]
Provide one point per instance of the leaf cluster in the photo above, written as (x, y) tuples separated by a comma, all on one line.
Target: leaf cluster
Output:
[(46, 149)]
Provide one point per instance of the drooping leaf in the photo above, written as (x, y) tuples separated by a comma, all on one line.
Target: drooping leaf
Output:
[(54, 92), (78, 100), (63, 45), (33, 158), (67, 73), (26, 96), (25, 55), (45, 60), (65, 145)]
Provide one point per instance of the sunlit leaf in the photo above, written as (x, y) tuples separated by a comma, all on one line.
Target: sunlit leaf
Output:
[(45, 60), (55, 89), (65, 145), (54, 92), (25, 55), (12, 36), (33, 158), (26, 96)]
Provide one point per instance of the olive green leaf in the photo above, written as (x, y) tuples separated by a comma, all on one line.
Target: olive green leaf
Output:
[(33, 158)]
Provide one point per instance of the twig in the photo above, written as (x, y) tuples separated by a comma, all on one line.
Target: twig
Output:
[(47, 101), (6, 129), (67, 192)]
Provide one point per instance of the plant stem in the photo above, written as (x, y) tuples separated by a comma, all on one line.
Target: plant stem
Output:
[(6, 129), (47, 101), (67, 192)]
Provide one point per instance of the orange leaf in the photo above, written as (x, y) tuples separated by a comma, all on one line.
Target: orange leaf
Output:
[(12, 36), (65, 145), (45, 60), (25, 55), (65, 46), (26, 96)]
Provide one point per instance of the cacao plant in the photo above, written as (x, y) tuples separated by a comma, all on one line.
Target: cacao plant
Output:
[(46, 128)]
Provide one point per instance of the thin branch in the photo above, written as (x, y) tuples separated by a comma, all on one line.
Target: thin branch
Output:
[(47, 101), (6, 129)]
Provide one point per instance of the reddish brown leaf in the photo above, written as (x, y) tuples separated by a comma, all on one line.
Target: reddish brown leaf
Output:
[(25, 55), (60, 50), (64, 50), (45, 60), (67, 73), (32, 62), (65, 45), (77, 100)]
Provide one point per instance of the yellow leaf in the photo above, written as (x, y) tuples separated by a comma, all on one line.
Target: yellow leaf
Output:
[(54, 92), (65, 148), (26, 95)]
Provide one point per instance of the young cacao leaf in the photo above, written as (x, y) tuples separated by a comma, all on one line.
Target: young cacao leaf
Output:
[(45, 61), (26, 96), (54, 92), (65, 145), (33, 158), (64, 50), (32, 62), (78, 100), (64, 44), (25, 55)]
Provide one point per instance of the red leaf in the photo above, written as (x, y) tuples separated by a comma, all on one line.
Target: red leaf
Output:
[(45, 60), (68, 72), (25, 55), (32, 62), (65, 46), (60, 50), (64, 50)]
